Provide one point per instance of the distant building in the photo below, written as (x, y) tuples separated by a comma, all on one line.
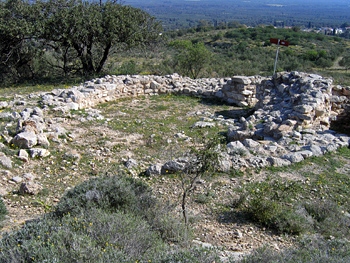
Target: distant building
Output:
[(327, 30), (338, 31)]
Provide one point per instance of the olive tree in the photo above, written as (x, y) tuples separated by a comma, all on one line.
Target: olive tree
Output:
[(74, 36), (89, 32), (17, 46), (191, 58)]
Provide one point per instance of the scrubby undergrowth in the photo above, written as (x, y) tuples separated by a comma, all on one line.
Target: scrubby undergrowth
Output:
[(120, 219), (106, 219)]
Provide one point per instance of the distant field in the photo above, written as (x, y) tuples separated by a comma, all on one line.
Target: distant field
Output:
[(184, 13)]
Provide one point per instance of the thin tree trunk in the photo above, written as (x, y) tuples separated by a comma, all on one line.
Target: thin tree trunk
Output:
[(104, 57), (183, 205)]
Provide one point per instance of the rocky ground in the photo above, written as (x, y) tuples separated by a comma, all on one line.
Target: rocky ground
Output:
[(91, 142)]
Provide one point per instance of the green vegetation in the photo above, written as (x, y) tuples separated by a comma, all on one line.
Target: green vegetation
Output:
[(46, 39), (316, 203), (157, 119), (191, 58), (204, 162), (107, 219), (310, 250), (241, 51), (99, 220), (108, 39), (345, 62), (3, 210)]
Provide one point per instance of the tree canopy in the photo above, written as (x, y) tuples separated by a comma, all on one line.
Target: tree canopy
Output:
[(191, 58), (71, 36)]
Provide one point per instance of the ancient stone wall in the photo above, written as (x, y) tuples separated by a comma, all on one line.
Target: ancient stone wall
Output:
[(292, 118), (308, 100)]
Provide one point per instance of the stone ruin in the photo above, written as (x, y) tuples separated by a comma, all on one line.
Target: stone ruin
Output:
[(291, 120)]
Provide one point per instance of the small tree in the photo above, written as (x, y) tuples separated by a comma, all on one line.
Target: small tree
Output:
[(204, 161), (345, 62), (191, 58)]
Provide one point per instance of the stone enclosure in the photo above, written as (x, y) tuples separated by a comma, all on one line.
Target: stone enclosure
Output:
[(292, 118)]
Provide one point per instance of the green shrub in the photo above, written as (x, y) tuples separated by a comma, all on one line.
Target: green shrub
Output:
[(328, 218), (109, 193), (312, 249), (121, 193), (293, 207), (92, 237), (106, 219), (278, 216), (3, 210), (128, 67), (192, 255), (270, 203)]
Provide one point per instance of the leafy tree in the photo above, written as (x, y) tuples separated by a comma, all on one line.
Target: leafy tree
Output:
[(94, 31), (77, 36), (191, 58), (311, 55), (17, 48), (204, 26), (345, 62)]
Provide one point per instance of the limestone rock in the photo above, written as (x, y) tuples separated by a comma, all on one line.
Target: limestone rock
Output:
[(278, 162), (3, 104), (203, 124), (130, 163), (250, 143), (154, 170), (236, 148), (17, 179), (5, 161), (315, 149), (293, 157), (25, 140), (42, 140), (174, 166), (23, 155), (30, 188), (39, 152)]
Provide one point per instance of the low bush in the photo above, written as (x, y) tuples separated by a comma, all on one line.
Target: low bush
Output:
[(270, 204), (106, 219), (192, 255), (92, 237), (312, 249), (109, 193), (286, 206), (3, 210), (328, 219)]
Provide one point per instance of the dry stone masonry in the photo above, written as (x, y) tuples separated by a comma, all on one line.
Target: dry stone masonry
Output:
[(293, 113)]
